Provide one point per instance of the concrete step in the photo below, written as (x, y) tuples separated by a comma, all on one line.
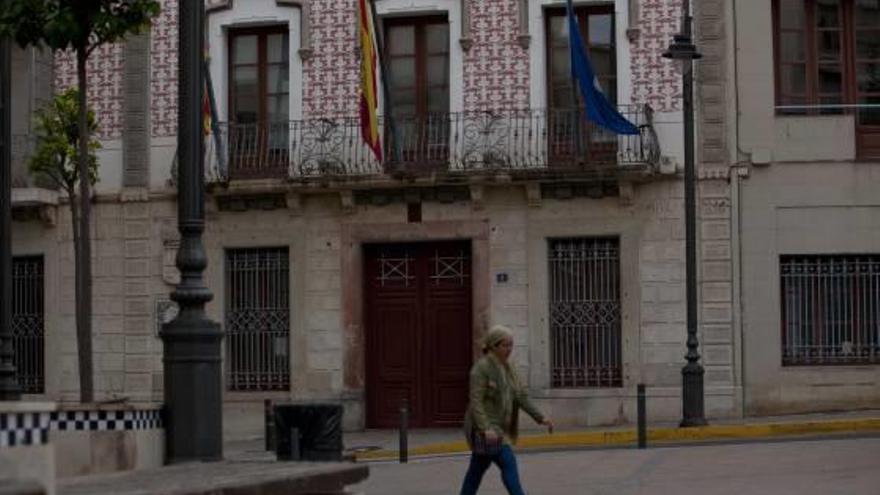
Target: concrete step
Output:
[(224, 478)]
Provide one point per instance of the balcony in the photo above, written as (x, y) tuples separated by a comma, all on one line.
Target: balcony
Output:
[(529, 143)]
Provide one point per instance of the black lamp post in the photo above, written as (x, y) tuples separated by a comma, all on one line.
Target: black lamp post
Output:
[(9, 389), (193, 407), (683, 51)]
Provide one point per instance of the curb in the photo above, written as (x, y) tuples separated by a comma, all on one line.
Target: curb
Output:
[(575, 439)]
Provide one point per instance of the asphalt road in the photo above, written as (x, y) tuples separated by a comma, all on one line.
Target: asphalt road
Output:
[(848, 466)]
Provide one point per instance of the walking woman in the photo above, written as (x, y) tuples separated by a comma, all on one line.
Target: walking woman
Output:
[(491, 422)]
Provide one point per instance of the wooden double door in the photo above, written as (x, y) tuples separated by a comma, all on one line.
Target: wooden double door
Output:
[(418, 332)]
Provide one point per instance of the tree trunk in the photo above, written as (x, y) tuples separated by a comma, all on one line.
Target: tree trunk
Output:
[(74, 224), (83, 254)]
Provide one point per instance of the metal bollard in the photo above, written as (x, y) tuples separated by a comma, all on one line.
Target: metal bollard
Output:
[(640, 404), (295, 451), (404, 425), (270, 425)]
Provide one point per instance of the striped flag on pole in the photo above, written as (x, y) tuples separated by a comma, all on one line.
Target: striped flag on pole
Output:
[(369, 98)]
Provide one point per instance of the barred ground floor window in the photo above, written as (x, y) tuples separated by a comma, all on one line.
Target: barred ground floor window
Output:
[(257, 319), (28, 318), (830, 309), (585, 328)]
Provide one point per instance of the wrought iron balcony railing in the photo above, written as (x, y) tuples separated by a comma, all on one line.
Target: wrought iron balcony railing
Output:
[(455, 143)]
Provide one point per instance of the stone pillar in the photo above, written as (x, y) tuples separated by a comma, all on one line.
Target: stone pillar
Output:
[(136, 111), (139, 361), (713, 208)]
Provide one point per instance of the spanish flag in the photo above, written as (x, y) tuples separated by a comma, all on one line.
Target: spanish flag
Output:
[(369, 97), (206, 94), (206, 113)]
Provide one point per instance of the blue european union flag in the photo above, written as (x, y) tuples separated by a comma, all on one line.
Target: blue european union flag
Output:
[(599, 109)]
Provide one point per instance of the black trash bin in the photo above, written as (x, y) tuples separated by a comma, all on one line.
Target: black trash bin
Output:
[(308, 432)]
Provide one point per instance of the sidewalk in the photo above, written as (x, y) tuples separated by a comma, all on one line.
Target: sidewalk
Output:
[(382, 445), (821, 466)]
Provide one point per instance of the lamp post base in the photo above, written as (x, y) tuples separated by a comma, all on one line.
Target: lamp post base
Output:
[(692, 396), (193, 391)]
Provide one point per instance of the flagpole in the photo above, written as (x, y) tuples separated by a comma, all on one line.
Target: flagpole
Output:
[(386, 93)]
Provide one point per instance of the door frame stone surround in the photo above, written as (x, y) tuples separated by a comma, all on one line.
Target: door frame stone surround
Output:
[(354, 236)]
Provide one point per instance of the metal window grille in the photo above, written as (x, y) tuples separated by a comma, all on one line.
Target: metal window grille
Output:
[(28, 323), (585, 313), (830, 309), (257, 319)]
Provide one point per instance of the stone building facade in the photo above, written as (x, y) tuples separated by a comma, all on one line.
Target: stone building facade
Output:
[(805, 213), (338, 278)]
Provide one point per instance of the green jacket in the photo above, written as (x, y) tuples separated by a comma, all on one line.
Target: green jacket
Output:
[(496, 395)]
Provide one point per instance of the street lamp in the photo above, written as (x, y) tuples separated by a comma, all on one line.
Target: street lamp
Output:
[(9, 389), (193, 407), (683, 51)]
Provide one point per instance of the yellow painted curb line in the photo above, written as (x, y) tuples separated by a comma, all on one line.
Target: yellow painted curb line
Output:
[(657, 435)]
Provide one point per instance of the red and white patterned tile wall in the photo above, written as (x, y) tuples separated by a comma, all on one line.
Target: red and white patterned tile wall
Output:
[(105, 69), (163, 70), (496, 70), (104, 72), (330, 76), (655, 80)]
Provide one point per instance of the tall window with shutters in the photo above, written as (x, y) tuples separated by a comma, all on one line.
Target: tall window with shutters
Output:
[(259, 93), (570, 135), (418, 80)]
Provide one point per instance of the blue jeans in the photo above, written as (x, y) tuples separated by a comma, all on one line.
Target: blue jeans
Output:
[(506, 462)]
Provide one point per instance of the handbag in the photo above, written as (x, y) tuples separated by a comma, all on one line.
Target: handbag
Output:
[(481, 446)]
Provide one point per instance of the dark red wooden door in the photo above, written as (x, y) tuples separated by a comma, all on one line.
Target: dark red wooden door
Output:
[(418, 332)]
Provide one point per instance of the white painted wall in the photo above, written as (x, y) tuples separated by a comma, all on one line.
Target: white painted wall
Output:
[(162, 151), (670, 133), (109, 167)]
